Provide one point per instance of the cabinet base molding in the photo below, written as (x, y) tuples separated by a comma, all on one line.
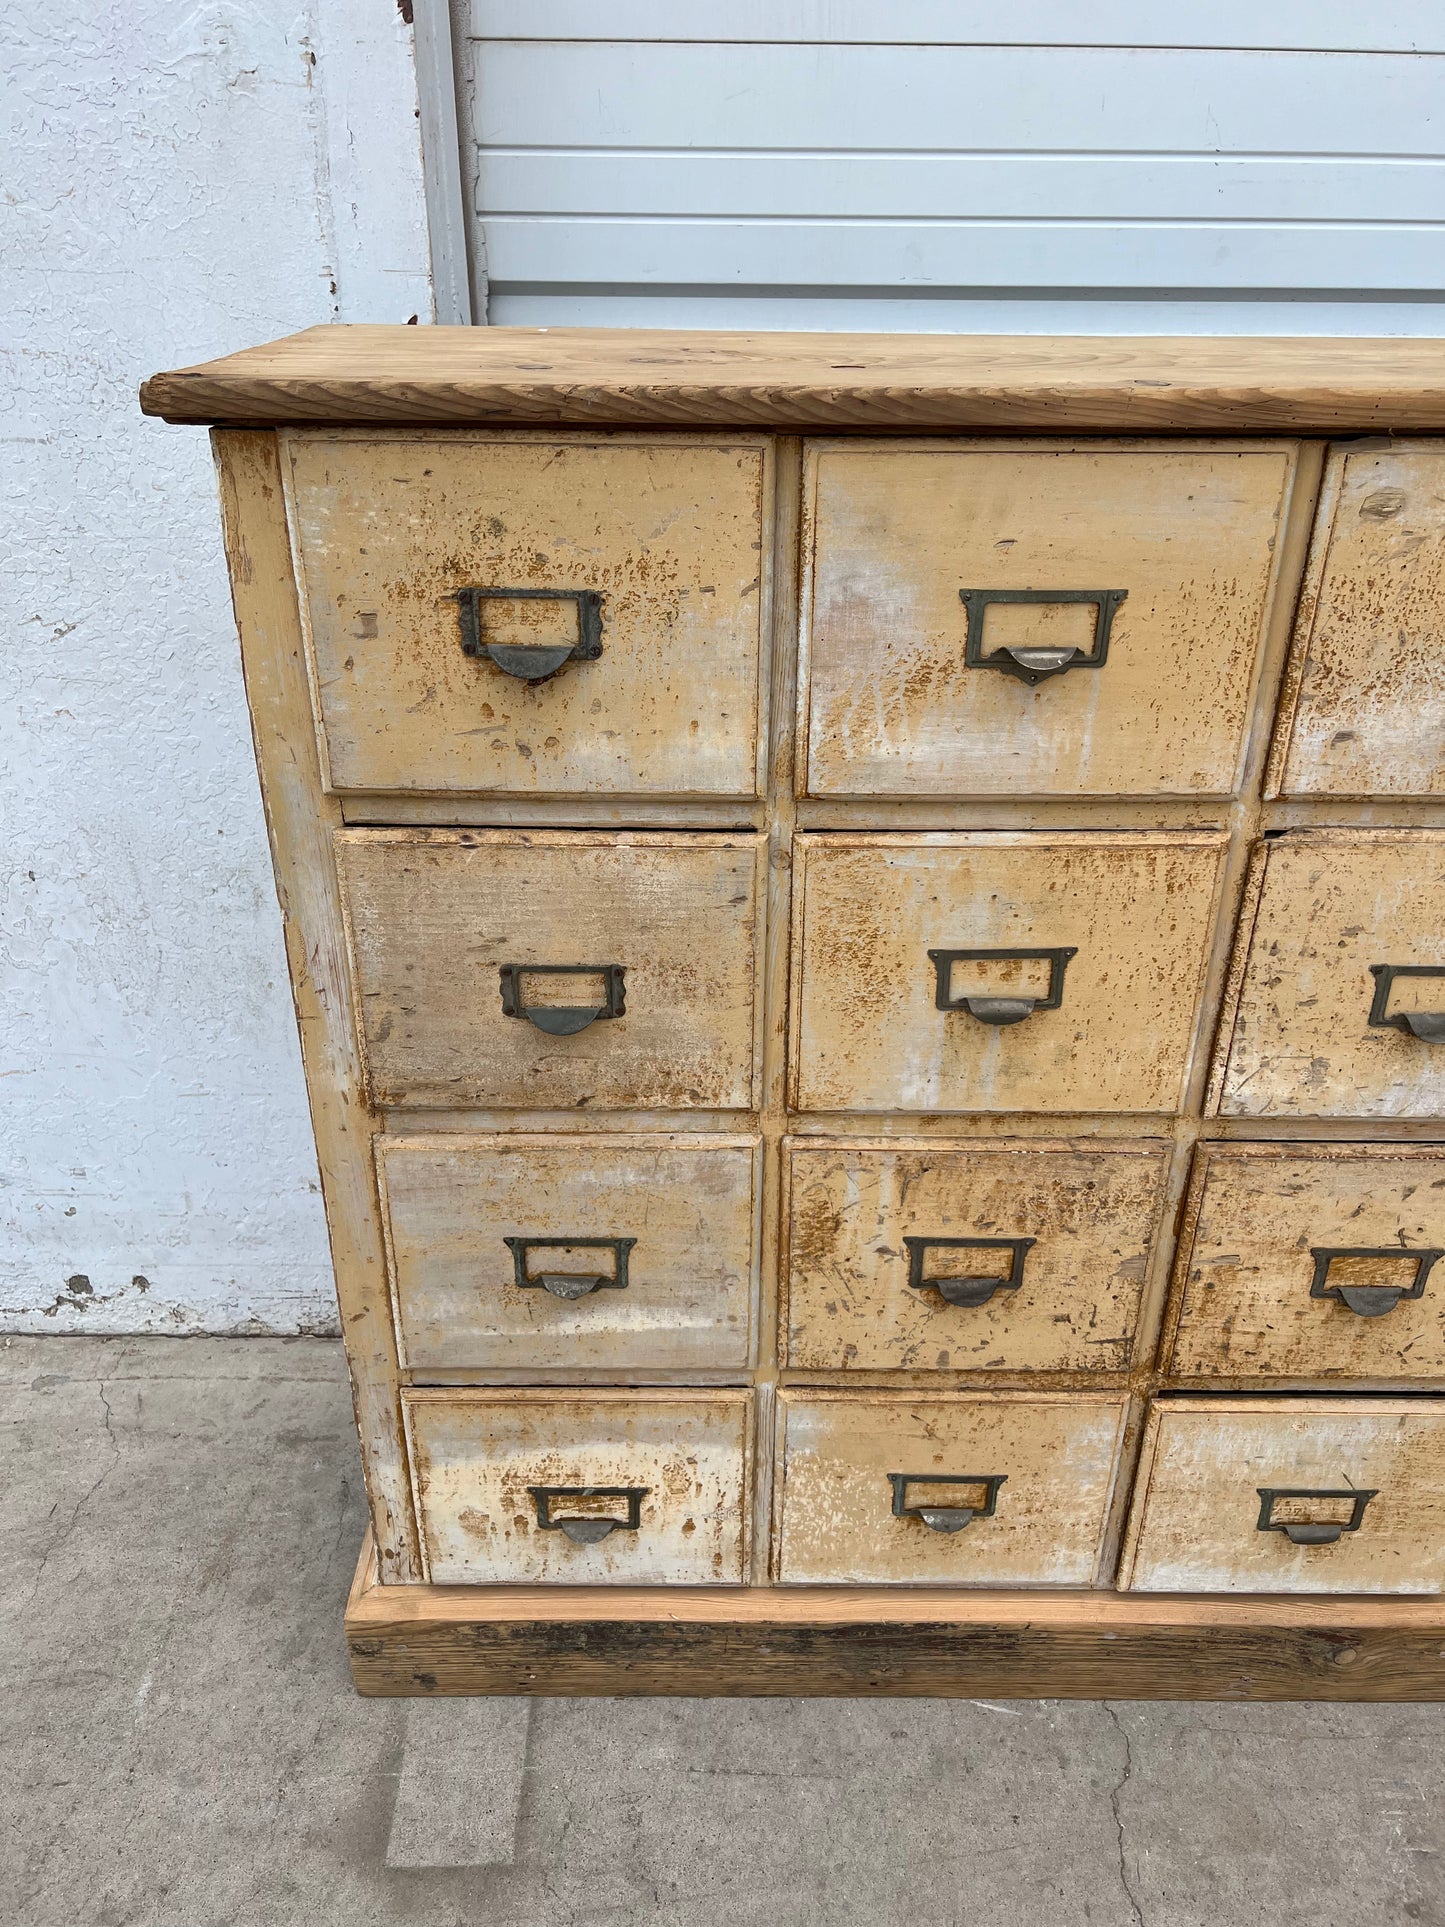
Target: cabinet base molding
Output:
[(736, 1642)]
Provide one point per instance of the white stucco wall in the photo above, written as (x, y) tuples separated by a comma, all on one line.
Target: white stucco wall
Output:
[(182, 181)]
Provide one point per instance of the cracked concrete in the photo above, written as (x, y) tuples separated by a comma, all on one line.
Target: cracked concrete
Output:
[(180, 1746)]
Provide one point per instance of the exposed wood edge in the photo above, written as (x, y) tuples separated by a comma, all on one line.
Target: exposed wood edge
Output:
[(756, 1640)]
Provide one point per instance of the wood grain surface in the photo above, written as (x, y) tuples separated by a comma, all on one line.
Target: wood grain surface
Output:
[(424, 1641), (1134, 384)]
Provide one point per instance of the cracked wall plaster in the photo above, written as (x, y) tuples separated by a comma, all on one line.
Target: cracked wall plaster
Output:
[(182, 182)]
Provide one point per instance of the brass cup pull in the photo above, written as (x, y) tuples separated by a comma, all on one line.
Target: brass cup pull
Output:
[(1033, 663), (569, 1284), (1371, 1301), (563, 1020), (966, 1289), (530, 661), (1427, 1025), (1311, 1532), (1000, 1010), (587, 1529), (946, 1518)]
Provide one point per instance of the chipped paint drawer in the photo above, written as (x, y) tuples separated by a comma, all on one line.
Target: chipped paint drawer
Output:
[(939, 1257), (1363, 712), (1298, 1495), (982, 971), (1035, 621), (1341, 1006), (1312, 1262), (603, 1251), (969, 1489), (555, 969), (535, 614), (596, 1489)]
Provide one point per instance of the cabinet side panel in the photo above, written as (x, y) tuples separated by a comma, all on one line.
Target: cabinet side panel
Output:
[(300, 821)]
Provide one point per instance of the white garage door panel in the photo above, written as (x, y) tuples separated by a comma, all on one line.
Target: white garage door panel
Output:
[(1406, 26), (1054, 99), (960, 186), (861, 254)]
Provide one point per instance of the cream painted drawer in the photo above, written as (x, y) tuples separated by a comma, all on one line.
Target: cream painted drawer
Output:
[(539, 1250), (1228, 1490), (479, 953), (644, 556), (1324, 1022), (1283, 1269), (1018, 1486), (926, 564), (1111, 934), (938, 1257), (596, 1489), (1363, 712)]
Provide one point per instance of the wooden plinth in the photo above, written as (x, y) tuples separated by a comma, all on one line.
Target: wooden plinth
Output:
[(822, 1640)]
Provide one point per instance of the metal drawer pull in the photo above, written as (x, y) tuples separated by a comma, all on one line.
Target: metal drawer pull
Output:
[(569, 1284), (1301, 1532), (1033, 664), (1000, 1010), (587, 1530), (563, 1020), (1370, 1301), (531, 661), (946, 1518), (1427, 1025), (967, 1290)]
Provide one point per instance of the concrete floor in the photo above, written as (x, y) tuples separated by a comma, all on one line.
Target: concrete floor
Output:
[(181, 1746)]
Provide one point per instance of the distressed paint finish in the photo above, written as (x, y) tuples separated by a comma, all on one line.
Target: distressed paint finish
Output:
[(1364, 711), (1194, 1526), (896, 532), (434, 913), (1092, 1213), (1332, 903), (689, 1202), (1138, 908), (1255, 1212), (670, 533), (836, 1524), (474, 1455)]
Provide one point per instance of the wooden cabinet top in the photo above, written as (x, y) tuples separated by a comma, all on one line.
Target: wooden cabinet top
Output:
[(672, 378)]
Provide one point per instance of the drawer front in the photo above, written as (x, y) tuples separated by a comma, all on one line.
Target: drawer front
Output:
[(651, 550), (1268, 1495), (1364, 706), (1313, 1262), (1113, 931), (964, 1258), (611, 1488), (479, 954), (1017, 1488), (1342, 991), (541, 1251), (909, 690)]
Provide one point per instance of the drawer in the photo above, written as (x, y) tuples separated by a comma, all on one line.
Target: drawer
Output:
[(535, 613), (1035, 621), (1289, 1495), (1363, 712), (1001, 971), (976, 1489), (1313, 1261), (541, 1251), (555, 969), (937, 1257), (1341, 1009), (610, 1488)]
